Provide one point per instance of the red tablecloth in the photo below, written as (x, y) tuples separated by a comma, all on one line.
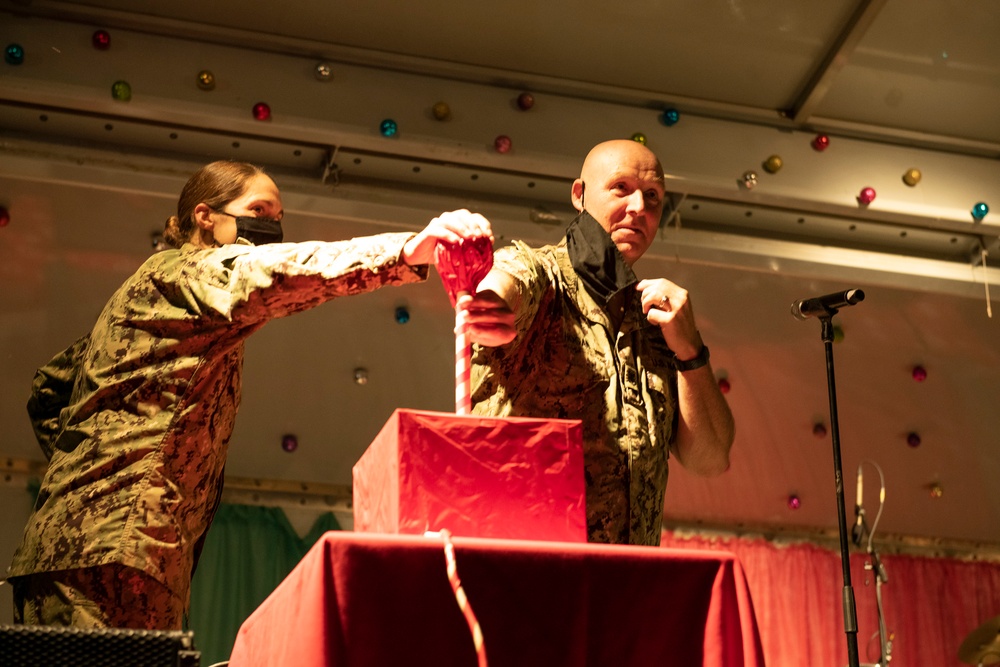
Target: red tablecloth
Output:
[(378, 600)]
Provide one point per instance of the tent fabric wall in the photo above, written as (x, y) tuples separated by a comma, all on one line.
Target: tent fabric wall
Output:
[(930, 604), (249, 550)]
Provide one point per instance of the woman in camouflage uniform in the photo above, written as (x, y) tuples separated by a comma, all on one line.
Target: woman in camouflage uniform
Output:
[(136, 416)]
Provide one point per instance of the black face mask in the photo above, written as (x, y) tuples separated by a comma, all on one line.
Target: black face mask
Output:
[(258, 231), (596, 259)]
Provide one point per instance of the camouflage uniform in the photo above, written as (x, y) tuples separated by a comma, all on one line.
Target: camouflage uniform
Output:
[(568, 362), (110, 596), (136, 417)]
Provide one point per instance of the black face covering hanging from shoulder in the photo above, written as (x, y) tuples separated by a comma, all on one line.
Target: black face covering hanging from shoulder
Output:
[(596, 259)]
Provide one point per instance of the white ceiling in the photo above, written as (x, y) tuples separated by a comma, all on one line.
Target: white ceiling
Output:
[(918, 80)]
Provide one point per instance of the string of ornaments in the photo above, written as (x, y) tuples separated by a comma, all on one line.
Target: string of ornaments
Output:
[(14, 55)]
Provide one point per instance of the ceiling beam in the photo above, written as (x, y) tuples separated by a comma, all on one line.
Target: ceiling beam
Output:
[(381, 208), (836, 58)]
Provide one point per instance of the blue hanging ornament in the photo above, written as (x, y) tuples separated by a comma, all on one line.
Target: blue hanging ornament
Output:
[(13, 54), (979, 211), (388, 128), (670, 117)]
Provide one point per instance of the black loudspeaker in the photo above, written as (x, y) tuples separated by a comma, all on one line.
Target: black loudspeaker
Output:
[(45, 646)]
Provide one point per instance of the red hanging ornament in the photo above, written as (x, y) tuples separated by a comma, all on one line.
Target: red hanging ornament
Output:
[(821, 142), (101, 40)]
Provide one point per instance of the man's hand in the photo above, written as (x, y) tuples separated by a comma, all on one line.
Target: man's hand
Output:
[(667, 305), (490, 319), (451, 227)]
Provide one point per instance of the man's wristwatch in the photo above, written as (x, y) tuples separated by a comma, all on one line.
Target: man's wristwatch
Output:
[(700, 360)]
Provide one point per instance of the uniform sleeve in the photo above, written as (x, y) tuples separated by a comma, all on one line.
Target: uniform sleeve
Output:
[(256, 283), (531, 283), (51, 391)]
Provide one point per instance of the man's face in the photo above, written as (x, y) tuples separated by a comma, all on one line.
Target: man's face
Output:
[(621, 186)]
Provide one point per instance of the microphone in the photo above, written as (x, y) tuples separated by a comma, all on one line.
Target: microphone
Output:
[(857, 533), (826, 305)]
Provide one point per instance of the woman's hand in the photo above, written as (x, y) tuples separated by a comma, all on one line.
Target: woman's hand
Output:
[(451, 227)]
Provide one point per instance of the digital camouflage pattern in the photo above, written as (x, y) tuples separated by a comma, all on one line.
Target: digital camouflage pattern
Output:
[(567, 362), (136, 417), (112, 596)]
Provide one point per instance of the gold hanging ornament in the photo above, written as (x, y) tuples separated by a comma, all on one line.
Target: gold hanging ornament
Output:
[(206, 80)]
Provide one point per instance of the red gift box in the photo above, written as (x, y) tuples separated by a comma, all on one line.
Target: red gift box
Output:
[(511, 477)]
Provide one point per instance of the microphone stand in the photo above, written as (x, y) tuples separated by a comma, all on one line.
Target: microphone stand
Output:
[(850, 611), (885, 644)]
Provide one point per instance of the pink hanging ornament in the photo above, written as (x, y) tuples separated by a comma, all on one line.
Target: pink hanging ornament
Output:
[(261, 111)]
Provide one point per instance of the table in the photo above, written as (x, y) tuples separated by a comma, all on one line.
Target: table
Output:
[(362, 599)]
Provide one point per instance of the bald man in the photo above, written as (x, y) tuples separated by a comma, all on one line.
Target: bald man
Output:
[(568, 332)]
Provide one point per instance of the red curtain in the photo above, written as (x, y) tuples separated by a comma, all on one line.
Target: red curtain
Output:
[(930, 604)]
